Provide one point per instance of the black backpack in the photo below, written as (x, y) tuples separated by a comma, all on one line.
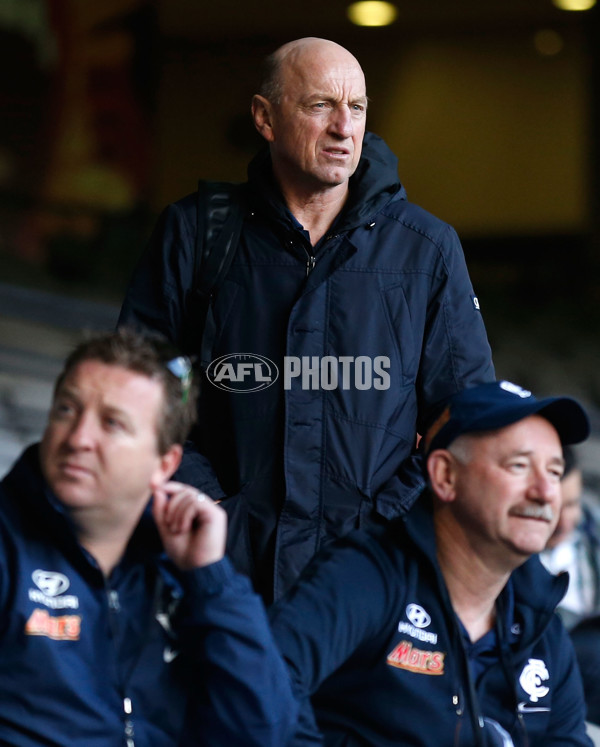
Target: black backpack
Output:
[(220, 213)]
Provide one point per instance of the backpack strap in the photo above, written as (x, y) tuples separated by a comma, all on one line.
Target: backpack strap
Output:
[(220, 215)]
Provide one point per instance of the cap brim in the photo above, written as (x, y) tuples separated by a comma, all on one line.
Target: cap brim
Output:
[(568, 417)]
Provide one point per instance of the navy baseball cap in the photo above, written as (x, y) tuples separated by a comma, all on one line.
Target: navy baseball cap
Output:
[(500, 403)]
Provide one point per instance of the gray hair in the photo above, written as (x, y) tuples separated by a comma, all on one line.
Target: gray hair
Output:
[(270, 86)]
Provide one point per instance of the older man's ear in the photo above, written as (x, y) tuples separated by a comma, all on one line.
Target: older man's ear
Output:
[(441, 467), (261, 114)]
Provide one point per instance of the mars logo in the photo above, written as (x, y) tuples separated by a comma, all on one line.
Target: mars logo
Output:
[(242, 372), (406, 656), (62, 628)]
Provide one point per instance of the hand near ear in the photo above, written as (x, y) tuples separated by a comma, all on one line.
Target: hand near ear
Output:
[(193, 528)]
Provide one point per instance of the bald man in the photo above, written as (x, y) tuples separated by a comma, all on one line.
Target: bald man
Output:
[(345, 318)]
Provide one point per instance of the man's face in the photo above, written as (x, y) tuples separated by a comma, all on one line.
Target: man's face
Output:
[(570, 512), (318, 126), (99, 450), (508, 493)]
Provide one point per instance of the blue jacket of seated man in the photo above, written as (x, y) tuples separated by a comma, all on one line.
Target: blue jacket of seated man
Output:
[(370, 632), (150, 657)]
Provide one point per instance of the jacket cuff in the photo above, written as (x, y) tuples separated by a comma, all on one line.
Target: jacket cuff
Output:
[(211, 579)]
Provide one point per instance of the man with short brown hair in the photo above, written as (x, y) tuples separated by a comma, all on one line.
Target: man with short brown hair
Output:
[(121, 625)]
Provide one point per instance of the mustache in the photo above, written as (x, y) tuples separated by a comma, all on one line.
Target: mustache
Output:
[(535, 511)]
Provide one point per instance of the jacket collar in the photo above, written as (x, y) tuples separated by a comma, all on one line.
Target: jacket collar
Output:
[(372, 186), (41, 510), (536, 591)]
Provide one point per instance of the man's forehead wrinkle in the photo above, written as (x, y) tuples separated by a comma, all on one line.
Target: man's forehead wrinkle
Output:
[(303, 61), (114, 397)]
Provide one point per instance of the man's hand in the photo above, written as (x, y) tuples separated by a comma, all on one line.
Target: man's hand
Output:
[(193, 528)]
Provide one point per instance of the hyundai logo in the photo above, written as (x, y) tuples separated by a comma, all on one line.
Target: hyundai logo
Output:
[(242, 372), (50, 583), (417, 615)]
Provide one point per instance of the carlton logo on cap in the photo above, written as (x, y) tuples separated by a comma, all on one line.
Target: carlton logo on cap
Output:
[(508, 386)]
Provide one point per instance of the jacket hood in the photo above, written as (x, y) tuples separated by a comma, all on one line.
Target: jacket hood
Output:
[(372, 186)]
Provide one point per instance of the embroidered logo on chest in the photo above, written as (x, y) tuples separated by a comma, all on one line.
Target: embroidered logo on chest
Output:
[(59, 628), (406, 656)]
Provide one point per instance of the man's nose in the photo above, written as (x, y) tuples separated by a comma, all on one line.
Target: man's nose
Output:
[(83, 431), (342, 123), (544, 486)]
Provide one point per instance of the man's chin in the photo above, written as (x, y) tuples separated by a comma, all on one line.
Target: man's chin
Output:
[(72, 493)]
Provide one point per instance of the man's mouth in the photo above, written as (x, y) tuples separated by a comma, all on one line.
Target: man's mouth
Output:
[(71, 469), (542, 513)]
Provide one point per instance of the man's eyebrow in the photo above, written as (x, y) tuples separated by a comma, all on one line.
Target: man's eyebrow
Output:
[(321, 96), (67, 390), (120, 412), (529, 452)]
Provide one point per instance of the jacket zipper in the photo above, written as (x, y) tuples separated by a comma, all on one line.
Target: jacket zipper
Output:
[(127, 709), (310, 263), (114, 609)]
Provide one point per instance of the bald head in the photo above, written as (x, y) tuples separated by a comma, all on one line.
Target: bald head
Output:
[(296, 55), (312, 112)]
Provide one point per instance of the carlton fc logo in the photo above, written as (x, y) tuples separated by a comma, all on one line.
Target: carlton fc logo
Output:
[(534, 674)]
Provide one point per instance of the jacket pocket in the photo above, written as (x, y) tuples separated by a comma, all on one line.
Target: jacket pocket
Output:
[(402, 322)]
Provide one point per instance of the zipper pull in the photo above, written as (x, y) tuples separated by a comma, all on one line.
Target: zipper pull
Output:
[(127, 708), (310, 264), (113, 600)]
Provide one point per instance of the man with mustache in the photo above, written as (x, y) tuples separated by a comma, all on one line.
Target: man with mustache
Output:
[(106, 639), (361, 300), (440, 629)]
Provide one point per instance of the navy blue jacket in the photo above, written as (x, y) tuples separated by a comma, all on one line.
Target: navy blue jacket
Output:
[(370, 630), (302, 465), (94, 662)]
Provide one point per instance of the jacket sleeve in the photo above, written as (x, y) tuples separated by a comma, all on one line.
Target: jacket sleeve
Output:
[(456, 353), (319, 624), (157, 299), (242, 695), (159, 290), (567, 721)]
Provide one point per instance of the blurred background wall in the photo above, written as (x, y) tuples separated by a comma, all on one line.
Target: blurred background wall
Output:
[(111, 110)]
